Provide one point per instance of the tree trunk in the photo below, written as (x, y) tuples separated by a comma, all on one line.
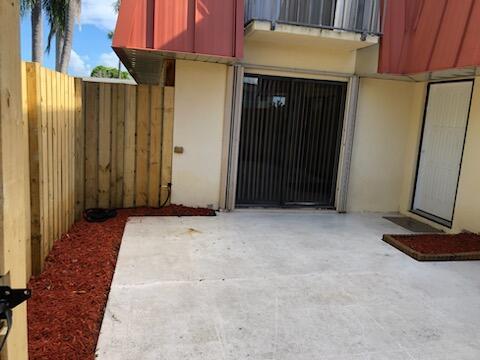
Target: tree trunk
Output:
[(37, 32), (58, 50), (68, 38)]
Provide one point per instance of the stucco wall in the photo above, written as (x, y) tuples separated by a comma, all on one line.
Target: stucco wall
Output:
[(299, 57), (200, 90), (386, 111), (387, 135)]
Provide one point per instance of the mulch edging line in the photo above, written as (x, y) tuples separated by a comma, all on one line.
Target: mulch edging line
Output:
[(432, 248), (69, 298)]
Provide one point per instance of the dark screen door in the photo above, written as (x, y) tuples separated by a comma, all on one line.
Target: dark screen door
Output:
[(290, 142)]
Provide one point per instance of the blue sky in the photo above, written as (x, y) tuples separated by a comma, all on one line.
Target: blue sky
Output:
[(91, 46)]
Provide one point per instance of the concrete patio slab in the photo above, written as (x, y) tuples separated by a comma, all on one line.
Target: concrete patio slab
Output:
[(284, 285)]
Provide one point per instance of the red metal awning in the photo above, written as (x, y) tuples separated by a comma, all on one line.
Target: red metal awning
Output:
[(430, 35), (149, 31)]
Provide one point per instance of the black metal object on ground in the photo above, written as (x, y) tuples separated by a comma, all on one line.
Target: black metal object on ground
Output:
[(99, 215)]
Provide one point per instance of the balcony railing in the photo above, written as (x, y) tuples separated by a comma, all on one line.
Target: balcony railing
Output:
[(359, 16)]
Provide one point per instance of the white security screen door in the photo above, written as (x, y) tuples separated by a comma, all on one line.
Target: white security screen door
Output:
[(441, 151)]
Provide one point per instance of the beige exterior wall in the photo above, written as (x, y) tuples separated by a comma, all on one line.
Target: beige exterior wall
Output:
[(14, 183), (200, 90), (386, 112), (411, 158), (467, 209), (387, 135), (385, 154), (296, 56)]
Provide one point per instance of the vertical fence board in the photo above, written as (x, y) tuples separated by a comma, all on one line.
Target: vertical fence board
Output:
[(57, 159), (167, 143), (67, 153), (43, 155), (27, 204), (51, 212), (65, 187), (56, 155), (63, 153), (104, 145), (120, 138), (27, 160), (79, 151), (155, 154), (113, 147), (71, 140), (143, 115), (130, 142), (60, 113), (91, 145), (34, 123)]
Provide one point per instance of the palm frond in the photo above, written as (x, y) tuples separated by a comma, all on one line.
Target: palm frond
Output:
[(116, 5), (56, 12), (26, 5)]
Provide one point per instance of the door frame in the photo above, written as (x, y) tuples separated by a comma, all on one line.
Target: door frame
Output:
[(233, 119), (444, 222)]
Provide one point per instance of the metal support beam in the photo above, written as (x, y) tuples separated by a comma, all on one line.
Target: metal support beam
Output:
[(297, 70), (227, 128), (350, 123), (236, 119)]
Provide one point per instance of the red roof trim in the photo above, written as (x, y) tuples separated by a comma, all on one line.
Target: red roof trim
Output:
[(430, 35), (209, 27)]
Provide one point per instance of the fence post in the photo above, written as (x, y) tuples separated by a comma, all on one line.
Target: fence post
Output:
[(13, 175)]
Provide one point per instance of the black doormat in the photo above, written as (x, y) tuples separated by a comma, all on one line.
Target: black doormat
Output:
[(412, 224)]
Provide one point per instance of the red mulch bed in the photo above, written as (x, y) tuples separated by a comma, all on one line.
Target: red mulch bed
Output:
[(437, 247), (69, 297)]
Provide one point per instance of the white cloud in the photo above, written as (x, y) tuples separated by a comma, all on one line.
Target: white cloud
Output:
[(99, 13), (79, 65), (109, 59)]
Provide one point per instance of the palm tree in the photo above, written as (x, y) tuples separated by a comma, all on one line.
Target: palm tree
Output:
[(62, 15), (35, 7), (72, 15), (56, 16)]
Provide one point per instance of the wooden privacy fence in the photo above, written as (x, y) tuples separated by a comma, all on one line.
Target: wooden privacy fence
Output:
[(92, 144), (126, 141), (51, 107)]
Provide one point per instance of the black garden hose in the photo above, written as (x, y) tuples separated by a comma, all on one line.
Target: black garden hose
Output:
[(98, 215)]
